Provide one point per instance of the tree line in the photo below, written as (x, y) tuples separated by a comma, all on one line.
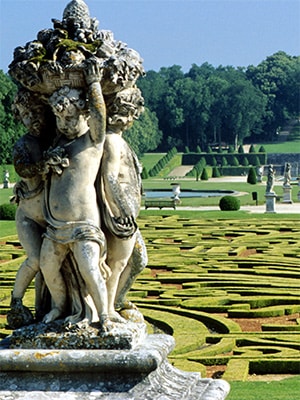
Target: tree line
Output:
[(209, 105), (203, 107)]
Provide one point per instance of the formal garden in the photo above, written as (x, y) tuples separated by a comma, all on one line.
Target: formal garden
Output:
[(225, 284)]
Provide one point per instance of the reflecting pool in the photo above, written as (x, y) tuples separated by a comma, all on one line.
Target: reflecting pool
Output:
[(184, 193)]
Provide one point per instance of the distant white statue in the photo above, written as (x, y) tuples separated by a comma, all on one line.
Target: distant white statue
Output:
[(6, 180), (270, 179), (287, 174)]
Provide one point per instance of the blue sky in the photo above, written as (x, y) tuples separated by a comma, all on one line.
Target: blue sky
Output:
[(168, 32)]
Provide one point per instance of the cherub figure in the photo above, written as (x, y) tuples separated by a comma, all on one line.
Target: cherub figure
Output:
[(71, 205), (120, 198), (29, 195)]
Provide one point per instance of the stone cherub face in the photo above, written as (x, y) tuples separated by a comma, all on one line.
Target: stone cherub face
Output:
[(28, 108), (69, 107), (127, 106)]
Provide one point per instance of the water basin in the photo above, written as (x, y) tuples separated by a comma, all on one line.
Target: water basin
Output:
[(185, 193)]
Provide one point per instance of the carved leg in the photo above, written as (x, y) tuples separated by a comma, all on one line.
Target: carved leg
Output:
[(118, 253), (30, 235), (52, 257), (87, 256), (25, 274), (136, 263)]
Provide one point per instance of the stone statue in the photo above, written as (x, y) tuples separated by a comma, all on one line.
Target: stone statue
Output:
[(29, 195), (270, 179), (71, 205), (6, 180), (259, 173), (287, 175), (90, 249), (120, 196)]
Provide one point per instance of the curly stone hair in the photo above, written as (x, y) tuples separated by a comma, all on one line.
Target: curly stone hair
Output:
[(126, 106), (61, 99)]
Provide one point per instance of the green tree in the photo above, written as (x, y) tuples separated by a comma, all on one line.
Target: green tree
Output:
[(245, 162), (144, 174), (10, 130), (245, 109), (217, 86), (234, 161), (261, 149), (241, 149), (224, 161), (252, 149), (216, 172), (251, 178), (204, 175), (144, 135), (278, 78)]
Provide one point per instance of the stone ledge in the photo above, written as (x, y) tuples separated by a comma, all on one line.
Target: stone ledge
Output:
[(58, 335), (139, 374), (143, 358)]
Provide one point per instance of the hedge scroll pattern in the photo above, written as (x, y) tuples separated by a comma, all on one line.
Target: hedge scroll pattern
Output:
[(217, 273), (203, 278)]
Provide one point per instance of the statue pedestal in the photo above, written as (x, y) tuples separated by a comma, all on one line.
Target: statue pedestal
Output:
[(270, 202), (142, 373), (287, 191)]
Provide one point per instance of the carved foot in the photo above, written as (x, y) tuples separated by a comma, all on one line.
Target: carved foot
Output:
[(54, 314), (116, 317), (75, 324), (19, 315), (106, 325)]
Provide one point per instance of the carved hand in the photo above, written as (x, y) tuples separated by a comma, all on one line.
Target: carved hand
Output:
[(55, 160), (93, 71)]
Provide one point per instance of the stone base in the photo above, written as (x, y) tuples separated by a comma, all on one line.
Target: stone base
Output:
[(270, 202), (57, 335), (142, 373), (287, 191)]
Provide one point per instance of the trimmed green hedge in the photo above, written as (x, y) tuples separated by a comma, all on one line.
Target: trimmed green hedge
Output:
[(254, 159), (8, 212), (229, 203)]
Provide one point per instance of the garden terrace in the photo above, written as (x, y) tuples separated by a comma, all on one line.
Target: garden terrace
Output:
[(227, 290)]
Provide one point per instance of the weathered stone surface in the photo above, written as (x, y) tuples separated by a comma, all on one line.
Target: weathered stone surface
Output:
[(139, 374), (287, 194), (58, 335)]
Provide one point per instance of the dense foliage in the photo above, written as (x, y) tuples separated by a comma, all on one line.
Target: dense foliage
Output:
[(10, 130), (144, 135), (192, 111), (220, 105), (8, 212)]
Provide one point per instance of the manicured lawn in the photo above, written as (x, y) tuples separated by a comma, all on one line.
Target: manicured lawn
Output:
[(284, 147), (287, 389), (7, 228), (5, 195), (150, 159)]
